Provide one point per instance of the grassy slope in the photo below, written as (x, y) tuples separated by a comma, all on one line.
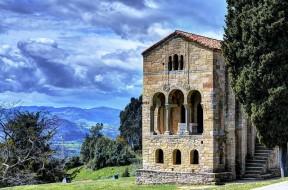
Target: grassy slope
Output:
[(105, 184), (101, 179), (104, 173)]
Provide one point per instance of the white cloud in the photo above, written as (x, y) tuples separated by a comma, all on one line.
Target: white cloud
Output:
[(151, 4), (98, 49), (158, 29), (98, 78), (47, 41)]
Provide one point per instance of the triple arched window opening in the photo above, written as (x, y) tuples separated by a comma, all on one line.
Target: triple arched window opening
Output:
[(194, 157), (176, 63)]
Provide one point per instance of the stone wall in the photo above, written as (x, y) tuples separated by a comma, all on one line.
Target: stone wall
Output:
[(273, 163), (158, 177), (228, 137), (197, 75)]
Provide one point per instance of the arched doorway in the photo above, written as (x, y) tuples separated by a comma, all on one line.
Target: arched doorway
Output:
[(158, 113), (176, 100), (197, 117)]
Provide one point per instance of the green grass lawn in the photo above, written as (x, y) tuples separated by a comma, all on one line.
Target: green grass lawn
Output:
[(104, 173), (105, 184), (129, 184), (102, 179)]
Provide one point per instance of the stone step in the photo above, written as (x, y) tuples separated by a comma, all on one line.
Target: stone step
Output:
[(255, 172), (261, 154), (260, 157), (266, 176), (254, 168), (255, 165), (262, 148), (251, 164), (257, 176), (255, 161), (249, 178), (262, 151)]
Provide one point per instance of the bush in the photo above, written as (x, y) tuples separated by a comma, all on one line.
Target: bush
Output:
[(98, 151), (73, 162)]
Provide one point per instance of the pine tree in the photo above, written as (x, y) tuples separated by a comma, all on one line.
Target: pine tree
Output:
[(255, 50)]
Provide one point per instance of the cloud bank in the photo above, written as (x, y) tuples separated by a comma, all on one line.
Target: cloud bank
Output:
[(88, 53)]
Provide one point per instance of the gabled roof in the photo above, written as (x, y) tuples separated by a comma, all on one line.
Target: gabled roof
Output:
[(201, 40)]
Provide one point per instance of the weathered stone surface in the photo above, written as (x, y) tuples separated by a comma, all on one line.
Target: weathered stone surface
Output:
[(158, 177), (170, 102)]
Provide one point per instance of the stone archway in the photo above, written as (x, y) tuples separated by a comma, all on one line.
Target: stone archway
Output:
[(158, 113), (197, 114), (176, 101)]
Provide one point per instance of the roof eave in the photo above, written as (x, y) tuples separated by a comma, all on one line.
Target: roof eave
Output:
[(176, 33)]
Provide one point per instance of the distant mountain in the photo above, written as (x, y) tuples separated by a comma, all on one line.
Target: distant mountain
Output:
[(74, 123)]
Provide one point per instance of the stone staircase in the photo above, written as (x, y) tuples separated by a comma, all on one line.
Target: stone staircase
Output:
[(256, 166)]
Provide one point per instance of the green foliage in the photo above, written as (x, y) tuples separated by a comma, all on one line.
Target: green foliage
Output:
[(89, 142), (98, 151), (25, 151), (126, 173), (255, 49), (73, 162), (131, 123)]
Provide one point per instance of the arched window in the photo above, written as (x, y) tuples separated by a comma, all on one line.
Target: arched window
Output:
[(170, 64), (194, 157), (159, 156), (175, 62), (181, 63), (176, 157)]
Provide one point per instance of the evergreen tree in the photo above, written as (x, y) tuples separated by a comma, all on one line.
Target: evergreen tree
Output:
[(87, 152), (26, 155), (255, 49), (131, 123)]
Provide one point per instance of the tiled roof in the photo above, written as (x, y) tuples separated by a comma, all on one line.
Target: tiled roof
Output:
[(202, 40)]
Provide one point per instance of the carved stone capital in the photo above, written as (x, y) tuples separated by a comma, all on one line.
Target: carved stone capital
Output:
[(166, 87)]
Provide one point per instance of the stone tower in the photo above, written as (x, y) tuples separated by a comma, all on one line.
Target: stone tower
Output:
[(194, 130)]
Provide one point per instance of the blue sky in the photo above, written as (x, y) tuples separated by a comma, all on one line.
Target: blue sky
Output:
[(87, 53)]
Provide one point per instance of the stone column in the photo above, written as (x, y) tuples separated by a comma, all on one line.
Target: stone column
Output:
[(187, 118), (167, 118), (156, 112), (152, 108)]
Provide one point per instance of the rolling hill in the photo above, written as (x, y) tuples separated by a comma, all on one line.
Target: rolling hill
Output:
[(74, 123)]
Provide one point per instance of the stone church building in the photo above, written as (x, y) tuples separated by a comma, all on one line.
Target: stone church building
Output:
[(194, 129)]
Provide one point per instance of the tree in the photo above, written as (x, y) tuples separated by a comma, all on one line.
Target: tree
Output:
[(255, 50), (98, 151), (95, 133), (25, 150), (131, 123)]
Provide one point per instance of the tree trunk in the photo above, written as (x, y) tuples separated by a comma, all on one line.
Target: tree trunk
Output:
[(283, 160)]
